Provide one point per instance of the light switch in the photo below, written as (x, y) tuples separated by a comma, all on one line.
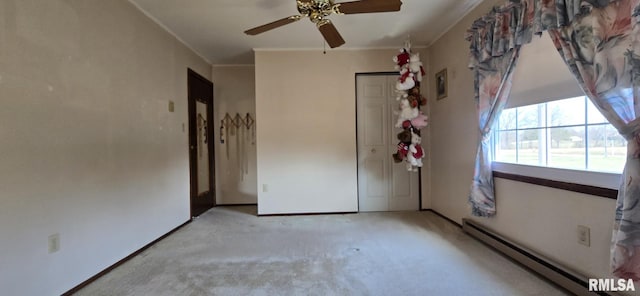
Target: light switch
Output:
[(54, 243), (171, 106), (584, 235)]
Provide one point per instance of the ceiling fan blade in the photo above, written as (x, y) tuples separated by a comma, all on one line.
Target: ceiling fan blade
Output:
[(273, 25), (368, 6), (330, 34)]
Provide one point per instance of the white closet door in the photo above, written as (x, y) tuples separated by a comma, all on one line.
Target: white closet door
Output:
[(382, 184)]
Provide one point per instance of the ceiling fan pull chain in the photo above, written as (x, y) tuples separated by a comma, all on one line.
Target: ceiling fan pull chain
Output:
[(325, 47)]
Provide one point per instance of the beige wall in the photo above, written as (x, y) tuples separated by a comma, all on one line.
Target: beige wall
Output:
[(306, 113), (234, 88), (89, 149), (542, 219)]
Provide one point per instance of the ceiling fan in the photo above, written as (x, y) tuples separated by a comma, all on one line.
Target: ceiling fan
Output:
[(318, 10)]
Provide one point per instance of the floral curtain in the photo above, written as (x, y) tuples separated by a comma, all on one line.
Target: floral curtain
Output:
[(598, 39), (602, 51), (495, 45), (493, 85)]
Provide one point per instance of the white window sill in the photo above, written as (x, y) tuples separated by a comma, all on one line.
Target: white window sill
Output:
[(597, 179)]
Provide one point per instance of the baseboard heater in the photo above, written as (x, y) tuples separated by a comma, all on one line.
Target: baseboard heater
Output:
[(569, 280)]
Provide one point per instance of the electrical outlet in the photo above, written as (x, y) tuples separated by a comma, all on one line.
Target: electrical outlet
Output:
[(54, 243), (584, 235), (265, 188)]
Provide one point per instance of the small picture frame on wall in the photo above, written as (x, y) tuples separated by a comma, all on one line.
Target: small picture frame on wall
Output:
[(441, 84)]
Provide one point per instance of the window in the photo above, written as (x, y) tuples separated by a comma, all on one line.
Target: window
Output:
[(567, 134), (550, 130)]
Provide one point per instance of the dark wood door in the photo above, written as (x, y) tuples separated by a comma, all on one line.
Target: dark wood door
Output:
[(201, 153)]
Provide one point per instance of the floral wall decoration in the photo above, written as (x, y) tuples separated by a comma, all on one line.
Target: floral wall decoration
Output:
[(410, 116)]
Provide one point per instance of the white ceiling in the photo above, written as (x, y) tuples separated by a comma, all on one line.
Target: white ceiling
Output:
[(214, 28)]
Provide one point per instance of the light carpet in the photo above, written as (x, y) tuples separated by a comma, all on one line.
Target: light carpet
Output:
[(231, 251)]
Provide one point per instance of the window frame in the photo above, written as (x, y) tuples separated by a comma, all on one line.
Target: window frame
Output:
[(609, 181), (604, 184)]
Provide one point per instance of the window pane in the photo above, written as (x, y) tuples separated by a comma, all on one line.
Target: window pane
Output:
[(505, 146), (554, 134), (566, 112), (607, 149), (531, 147), (531, 116), (566, 148), (593, 115), (507, 119)]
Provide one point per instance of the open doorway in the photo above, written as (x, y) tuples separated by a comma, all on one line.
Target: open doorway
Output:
[(201, 146)]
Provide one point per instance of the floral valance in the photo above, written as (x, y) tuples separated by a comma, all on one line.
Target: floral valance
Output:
[(515, 22)]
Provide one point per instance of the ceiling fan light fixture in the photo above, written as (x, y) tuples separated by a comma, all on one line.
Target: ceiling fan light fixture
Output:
[(307, 8), (318, 10)]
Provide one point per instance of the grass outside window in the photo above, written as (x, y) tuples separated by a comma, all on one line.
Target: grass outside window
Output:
[(569, 133)]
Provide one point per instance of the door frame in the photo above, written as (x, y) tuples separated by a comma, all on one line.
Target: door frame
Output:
[(193, 139), (355, 86)]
